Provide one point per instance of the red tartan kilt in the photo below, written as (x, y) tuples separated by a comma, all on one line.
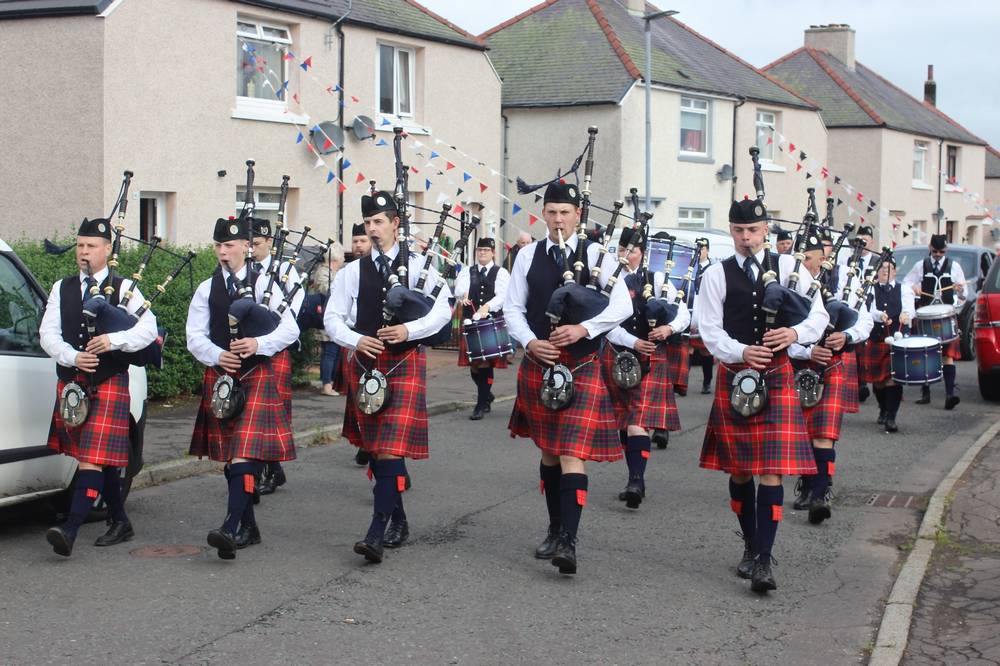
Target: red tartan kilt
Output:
[(952, 350), (260, 432), (697, 344), (103, 438), (852, 402), (651, 404), (463, 357), (773, 442), (678, 365), (400, 429), (340, 373), (586, 429), (874, 362), (823, 420), (281, 366)]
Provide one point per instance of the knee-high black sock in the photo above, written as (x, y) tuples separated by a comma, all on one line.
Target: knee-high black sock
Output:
[(482, 388), (879, 392), (113, 494), (706, 368), (89, 485), (550, 475), (769, 510), (893, 397), (242, 477), (398, 513), (949, 379), (636, 453), (573, 496), (825, 463), (743, 502), (489, 381), (390, 481)]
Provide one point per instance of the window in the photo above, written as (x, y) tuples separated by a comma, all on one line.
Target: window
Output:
[(694, 126), (394, 79), (692, 218), (952, 163), (261, 68), (920, 162), (767, 122), (20, 312), (266, 204)]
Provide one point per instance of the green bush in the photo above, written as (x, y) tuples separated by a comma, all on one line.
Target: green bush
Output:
[(181, 374)]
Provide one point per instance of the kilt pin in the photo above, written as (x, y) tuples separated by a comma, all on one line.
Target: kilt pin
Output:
[(824, 419), (400, 429), (103, 438), (775, 441), (651, 404), (260, 432), (587, 429)]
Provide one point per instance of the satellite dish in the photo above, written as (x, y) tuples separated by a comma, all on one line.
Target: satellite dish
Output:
[(327, 137), (363, 127)]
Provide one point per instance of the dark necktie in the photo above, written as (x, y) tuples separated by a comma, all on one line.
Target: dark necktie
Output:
[(257, 267), (231, 285), (557, 256), (748, 268), (937, 266), (383, 267), (482, 274), (89, 284)]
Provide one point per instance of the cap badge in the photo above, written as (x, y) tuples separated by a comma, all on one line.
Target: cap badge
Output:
[(101, 227), (233, 229), (381, 201), (758, 210), (571, 191)]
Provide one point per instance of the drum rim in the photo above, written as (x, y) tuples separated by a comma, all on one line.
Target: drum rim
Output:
[(903, 344), (944, 309)]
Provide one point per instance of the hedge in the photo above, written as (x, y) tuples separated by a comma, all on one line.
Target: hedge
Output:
[(181, 374)]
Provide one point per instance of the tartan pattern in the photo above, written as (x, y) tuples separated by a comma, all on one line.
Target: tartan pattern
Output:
[(852, 402), (952, 350), (103, 438), (400, 429), (586, 429), (874, 362), (651, 404), (350, 430), (340, 373), (678, 365), (463, 359), (823, 420), (260, 432), (773, 442), (696, 343), (281, 366)]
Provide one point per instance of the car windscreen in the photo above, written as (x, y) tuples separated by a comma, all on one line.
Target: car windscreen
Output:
[(992, 283), (907, 258)]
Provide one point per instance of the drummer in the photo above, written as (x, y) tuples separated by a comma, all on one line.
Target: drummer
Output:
[(938, 279), (892, 310), (481, 290)]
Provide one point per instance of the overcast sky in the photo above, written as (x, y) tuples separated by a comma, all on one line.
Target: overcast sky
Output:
[(896, 38)]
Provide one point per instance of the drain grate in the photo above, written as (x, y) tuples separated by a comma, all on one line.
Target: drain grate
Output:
[(888, 499), (166, 550)]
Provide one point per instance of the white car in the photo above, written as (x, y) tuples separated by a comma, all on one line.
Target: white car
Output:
[(28, 468)]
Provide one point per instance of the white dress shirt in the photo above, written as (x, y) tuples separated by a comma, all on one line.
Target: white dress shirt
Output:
[(134, 339), (916, 275), (342, 308), (906, 296), (516, 302), (284, 268), (623, 338), (865, 263), (858, 333), (499, 289), (712, 296), (207, 352)]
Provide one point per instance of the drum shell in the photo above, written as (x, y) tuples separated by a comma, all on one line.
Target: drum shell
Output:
[(486, 339), (916, 360), (937, 321)]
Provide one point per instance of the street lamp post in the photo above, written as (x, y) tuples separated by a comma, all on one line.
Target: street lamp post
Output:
[(648, 19)]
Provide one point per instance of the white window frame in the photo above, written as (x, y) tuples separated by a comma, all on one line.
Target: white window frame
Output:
[(686, 221), (772, 126), (924, 148), (259, 206), (688, 106), (951, 186), (255, 108), (412, 83)]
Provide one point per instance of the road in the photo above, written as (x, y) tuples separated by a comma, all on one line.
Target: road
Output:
[(655, 585)]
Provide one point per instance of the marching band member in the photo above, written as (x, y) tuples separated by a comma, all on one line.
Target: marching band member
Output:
[(586, 429), (523, 238), (828, 359), (699, 354), (866, 263), (281, 363), (783, 242), (100, 445), (319, 285), (399, 430), (892, 308), (938, 278), (261, 431), (480, 289), (361, 246), (774, 441), (650, 405)]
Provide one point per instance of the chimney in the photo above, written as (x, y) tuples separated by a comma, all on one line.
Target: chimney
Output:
[(930, 87), (836, 38), (636, 7)]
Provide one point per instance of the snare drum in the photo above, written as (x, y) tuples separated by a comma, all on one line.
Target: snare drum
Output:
[(915, 360), (486, 339), (937, 321)]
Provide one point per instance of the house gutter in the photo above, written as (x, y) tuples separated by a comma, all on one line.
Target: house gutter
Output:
[(940, 213), (338, 26), (504, 184), (732, 160)]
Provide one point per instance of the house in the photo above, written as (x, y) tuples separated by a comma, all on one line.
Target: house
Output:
[(992, 192), (569, 64), (916, 163), (183, 92)]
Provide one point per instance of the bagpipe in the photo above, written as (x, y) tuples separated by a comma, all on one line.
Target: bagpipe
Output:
[(858, 247)]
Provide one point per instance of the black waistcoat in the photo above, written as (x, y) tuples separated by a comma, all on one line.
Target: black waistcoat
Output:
[(74, 331), (219, 301), (371, 298), (543, 278), (742, 316), (890, 301), (480, 291), (927, 283), (637, 324)]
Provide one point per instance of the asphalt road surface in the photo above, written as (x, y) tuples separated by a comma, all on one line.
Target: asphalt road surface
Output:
[(655, 585)]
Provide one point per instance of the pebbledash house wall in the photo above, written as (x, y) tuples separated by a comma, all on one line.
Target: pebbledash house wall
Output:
[(135, 94)]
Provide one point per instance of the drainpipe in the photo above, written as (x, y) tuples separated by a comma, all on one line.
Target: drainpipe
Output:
[(940, 213), (732, 160), (338, 26), (503, 180)]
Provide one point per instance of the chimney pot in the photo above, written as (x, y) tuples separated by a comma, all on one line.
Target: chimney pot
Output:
[(930, 87), (636, 7)]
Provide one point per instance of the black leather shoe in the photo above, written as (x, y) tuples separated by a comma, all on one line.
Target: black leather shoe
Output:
[(634, 493), (477, 414), (681, 392), (396, 534), (863, 392), (661, 438), (622, 497), (745, 568), (362, 457), (881, 417), (802, 493), (819, 510), (951, 401), (371, 548), (761, 579), (925, 396), (247, 536), (223, 541), (267, 485), (565, 555), (116, 534), (890, 424), (547, 548), (489, 403), (60, 540), (706, 388)]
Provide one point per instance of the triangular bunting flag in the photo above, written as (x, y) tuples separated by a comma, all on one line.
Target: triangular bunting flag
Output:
[(327, 144), (330, 177), (319, 161), (427, 184), (861, 197), (516, 209), (798, 166), (299, 138), (457, 210), (839, 201), (466, 177), (385, 121), (381, 142), (791, 147), (802, 155), (482, 187), (538, 197), (341, 186), (503, 221), (306, 64), (448, 166), (360, 178), (434, 154), (346, 164), (532, 219), (808, 175)]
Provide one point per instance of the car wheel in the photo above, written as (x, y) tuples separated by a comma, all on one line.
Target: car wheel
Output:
[(989, 387), (967, 340)]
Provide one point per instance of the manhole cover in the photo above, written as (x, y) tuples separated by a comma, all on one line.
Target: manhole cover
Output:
[(887, 499), (167, 550)]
